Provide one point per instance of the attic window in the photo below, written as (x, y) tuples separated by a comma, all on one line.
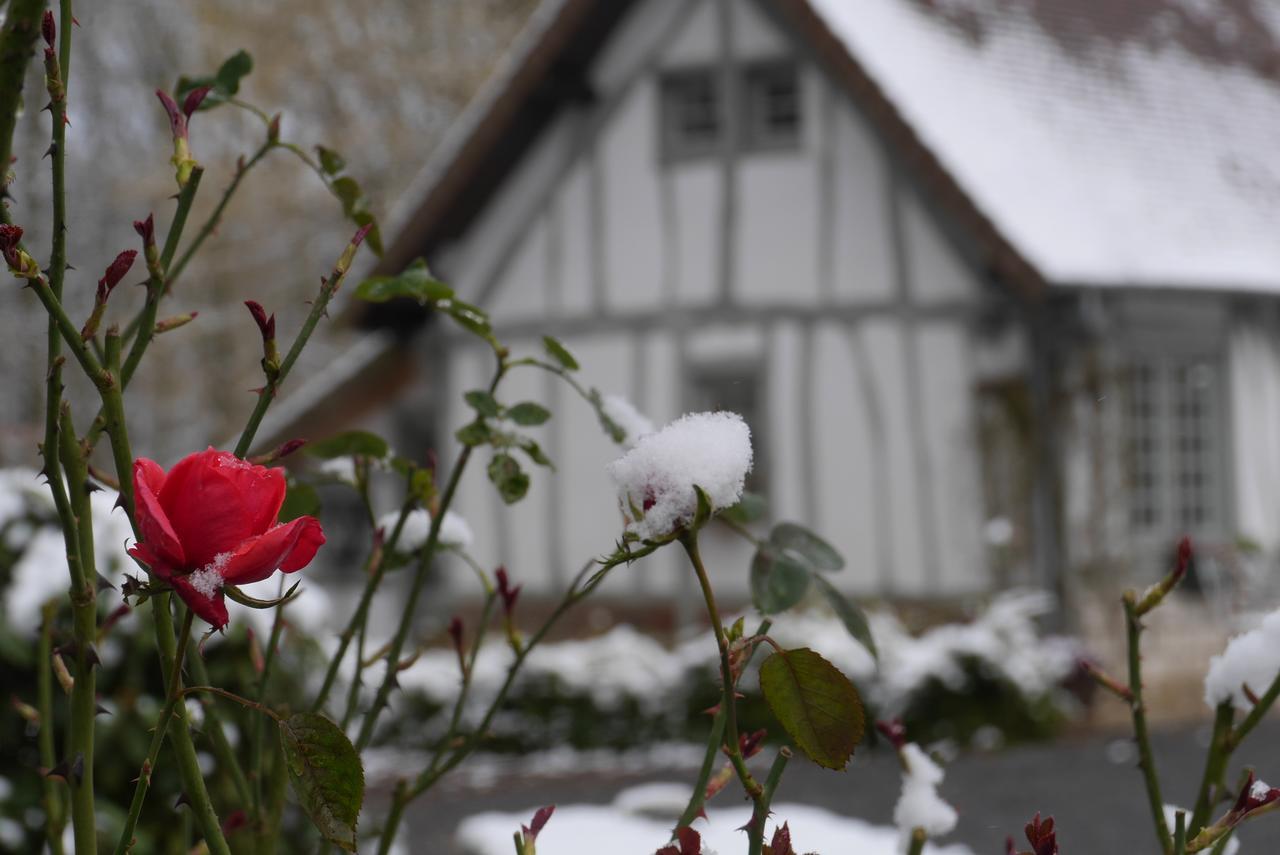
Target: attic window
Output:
[(691, 113), (771, 93)]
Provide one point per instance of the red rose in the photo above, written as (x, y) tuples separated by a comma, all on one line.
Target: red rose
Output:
[(212, 521)]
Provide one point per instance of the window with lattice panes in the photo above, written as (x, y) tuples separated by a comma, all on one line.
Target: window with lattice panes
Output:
[(1175, 448), (692, 117), (771, 96)]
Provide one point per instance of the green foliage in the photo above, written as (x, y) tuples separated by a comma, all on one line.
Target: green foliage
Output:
[(800, 542), (557, 351), (815, 703), (528, 414), (483, 403), (751, 508), (326, 774), (853, 618), (415, 282), (224, 83), (300, 500), (331, 163), (508, 477), (778, 581), (349, 443)]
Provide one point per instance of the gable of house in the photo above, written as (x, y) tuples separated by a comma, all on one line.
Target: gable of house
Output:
[(806, 277)]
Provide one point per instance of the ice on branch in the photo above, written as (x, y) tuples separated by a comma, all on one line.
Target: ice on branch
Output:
[(1252, 659), (624, 414), (920, 806), (656, 478), (454, 530)]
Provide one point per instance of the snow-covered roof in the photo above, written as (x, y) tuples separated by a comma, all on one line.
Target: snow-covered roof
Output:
[(1110, 142)]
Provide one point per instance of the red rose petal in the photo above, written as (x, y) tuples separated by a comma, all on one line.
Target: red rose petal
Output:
[(287, 547), (157, 530)]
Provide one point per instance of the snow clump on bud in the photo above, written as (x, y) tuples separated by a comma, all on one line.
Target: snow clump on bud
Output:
[(1252, 658), (656, 478), (454, 530)]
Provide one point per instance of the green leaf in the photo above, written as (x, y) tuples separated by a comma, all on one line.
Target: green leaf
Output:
[(469, 317), (750, 508), (230, 73), (557, 351), (326, 774), (347, 189), (703, 510), (535, 452), (482, 402), (612, 428), (331, 163), (475, 433), (415, 282), (300, 500), (807, 546), (528, 414), (778, 580), (816, 704), (850, 615), (508, 477), (351, 442)]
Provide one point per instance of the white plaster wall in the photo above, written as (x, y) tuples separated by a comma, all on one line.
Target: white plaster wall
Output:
[(523, 290), (633, 251), (692, 225), (843, 447), (946, 363), (572, 205), (885, 351), (696, 41), (787, 423), (753, 35), (938, 274), (776, 244), (862, 247)]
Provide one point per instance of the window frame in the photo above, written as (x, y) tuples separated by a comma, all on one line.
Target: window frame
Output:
[(699, 375), (674, 84), (756, 133)]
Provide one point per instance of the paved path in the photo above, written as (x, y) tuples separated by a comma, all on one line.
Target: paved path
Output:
[(1087, 783)]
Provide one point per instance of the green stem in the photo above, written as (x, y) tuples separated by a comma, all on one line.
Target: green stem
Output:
[(183, 748), (361, 614), (222, 750), (211, 224), (1180, 833), (55, 818), (157, 285), (425, 554), (728, 701), (255, 745), (17, 38), (172, 696), (318, 310), (916, 844), (84, 607), (1260, 709), (1146, 759), (1214, 766), (435, 771)]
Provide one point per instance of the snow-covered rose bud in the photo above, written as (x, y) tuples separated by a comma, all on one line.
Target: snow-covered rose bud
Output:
[(656, 478)]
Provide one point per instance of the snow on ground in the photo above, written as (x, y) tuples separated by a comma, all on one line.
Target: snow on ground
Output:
[(639, 820)]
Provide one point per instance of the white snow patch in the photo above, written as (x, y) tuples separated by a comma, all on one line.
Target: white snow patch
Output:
[(339, 468), (579, 830), (210, 578), (624, 414), (657, 476), (1259, 790), (455, 532), (920, 806), (1252, 657)]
